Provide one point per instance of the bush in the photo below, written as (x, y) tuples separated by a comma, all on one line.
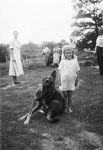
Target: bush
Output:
[(3, 53)]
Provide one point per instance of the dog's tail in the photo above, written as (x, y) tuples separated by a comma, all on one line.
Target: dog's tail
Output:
[(52, 120)]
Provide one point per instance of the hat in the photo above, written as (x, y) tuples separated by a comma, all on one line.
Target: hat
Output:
[(101, 30), (67, 47)]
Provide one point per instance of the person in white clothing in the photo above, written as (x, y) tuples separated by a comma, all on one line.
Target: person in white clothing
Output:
[(63, 48), (46, 53), (68, 75), (56, 55), (99, 50), (15, 66)]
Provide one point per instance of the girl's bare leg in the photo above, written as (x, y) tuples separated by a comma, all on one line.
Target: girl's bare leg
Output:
[(69, 101), (14, 79), (66, 99)]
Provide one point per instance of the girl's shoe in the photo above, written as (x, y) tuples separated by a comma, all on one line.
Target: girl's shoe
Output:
[(70, 110), (13, 84)]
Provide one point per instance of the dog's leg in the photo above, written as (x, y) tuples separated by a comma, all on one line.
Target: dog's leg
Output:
[(28, 115), (31, 112), (32, 106), (23, 117), (27, 119)]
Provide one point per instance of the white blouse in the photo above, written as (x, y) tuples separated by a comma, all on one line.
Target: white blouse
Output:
[(99, 41)]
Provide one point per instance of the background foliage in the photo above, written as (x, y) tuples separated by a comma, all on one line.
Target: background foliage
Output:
[(87, 18), (86, 21), (3, 52)]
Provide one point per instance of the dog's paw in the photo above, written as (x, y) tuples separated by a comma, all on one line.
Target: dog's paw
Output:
[(26, 122), (41, 111), (22, 118)]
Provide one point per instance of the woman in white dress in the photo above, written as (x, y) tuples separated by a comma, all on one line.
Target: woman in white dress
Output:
[(15, 67), (46, 53), (56, 55)]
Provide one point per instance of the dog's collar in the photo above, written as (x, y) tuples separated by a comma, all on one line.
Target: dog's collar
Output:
[(47, 90), (52, 95), (42, 98)]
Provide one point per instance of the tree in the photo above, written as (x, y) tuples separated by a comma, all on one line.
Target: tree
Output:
[(86, 20), (3, 52)]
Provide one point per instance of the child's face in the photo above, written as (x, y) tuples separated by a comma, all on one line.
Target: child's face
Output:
[(68, 54)]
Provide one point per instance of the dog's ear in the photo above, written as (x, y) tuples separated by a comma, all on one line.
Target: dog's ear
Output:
[(39, 93), (53, 74)]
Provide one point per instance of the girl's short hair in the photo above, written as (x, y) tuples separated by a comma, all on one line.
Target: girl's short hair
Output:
[(68, 48)]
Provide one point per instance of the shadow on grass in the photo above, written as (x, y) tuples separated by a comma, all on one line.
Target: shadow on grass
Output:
[(91, 115)]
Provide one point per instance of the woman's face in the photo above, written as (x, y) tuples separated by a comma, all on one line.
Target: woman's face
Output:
[(15, 33), (68, 54), (101, 31)]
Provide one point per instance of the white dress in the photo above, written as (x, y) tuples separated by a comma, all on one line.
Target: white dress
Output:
[(15, 68), (46, 52), (68, 73), (56, 55)]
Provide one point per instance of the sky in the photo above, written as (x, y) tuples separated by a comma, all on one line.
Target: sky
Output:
[(35, 20)]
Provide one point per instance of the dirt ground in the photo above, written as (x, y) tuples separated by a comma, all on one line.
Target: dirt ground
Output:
[(80, 130)]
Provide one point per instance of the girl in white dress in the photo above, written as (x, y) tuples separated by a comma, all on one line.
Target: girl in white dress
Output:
[(68, 75), (15, 67)]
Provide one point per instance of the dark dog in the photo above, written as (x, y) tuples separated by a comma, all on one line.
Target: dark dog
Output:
[(49, 98)]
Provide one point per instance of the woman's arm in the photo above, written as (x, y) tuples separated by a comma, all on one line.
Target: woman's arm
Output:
[(21, 57), (11, 49), (11, 54), (95, 52)]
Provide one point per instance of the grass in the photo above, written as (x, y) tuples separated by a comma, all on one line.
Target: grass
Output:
[(80, 130)]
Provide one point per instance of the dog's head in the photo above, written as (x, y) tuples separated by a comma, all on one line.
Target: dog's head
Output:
[(47, 88), (49, 81)]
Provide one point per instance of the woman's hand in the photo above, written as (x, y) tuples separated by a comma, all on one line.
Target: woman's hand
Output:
[(95, 52), (21, 59), (59, 83), (13, 59)]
